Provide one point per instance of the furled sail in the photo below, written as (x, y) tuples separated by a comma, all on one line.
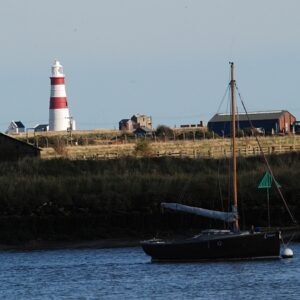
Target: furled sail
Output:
[(213, 214)]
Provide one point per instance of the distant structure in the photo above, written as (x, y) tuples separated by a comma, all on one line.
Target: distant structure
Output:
[(59, 116), (143, 132), (135, 122), (12, 149), (269, 122), (126, 125), (15, 127), (192, 125), (41, 128), (139, 121)]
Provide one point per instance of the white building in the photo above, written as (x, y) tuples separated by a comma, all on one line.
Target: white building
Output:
[(15, 127)]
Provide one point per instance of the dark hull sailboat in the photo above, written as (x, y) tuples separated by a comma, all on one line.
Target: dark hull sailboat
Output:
[(217, 244)]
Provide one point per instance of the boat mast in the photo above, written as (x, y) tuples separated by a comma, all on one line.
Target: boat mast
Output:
[(233, 136)]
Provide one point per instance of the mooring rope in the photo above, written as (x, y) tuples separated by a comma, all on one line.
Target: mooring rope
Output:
[(288, 242)]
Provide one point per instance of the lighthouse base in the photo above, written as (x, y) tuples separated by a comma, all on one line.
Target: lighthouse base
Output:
[(59, 119)]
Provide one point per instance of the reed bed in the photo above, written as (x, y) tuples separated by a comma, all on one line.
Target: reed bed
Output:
[(88, 199)]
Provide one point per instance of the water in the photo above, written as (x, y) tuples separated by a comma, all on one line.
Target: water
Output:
[(128, 274)]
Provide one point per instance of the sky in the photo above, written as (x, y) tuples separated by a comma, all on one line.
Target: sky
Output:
[(164, 58)]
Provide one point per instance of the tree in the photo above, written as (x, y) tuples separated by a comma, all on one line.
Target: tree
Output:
[(164, 131)]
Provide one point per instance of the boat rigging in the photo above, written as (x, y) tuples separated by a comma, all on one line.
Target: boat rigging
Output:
[(214, 243)]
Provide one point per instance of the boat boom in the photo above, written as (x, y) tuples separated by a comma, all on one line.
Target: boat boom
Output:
[(213, 214)]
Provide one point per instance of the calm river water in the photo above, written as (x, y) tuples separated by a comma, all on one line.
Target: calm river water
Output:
[(127, 273)]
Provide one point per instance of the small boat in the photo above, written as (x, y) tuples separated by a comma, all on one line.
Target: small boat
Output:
[(217, 244)]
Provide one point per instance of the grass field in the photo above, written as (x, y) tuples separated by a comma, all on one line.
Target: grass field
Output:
[(181, 142), (198, 148)]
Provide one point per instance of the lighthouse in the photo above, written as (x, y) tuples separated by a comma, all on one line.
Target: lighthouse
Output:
[(59, 116)]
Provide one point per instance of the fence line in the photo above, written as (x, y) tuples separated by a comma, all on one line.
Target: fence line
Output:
[(216, 148)]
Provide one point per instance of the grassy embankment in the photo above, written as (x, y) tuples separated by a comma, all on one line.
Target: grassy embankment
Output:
[(66, 200), (183, 143)]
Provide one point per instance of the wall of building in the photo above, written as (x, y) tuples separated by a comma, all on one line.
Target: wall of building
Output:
[(221, 128), (141, 121), (12, 149), (286, 121)]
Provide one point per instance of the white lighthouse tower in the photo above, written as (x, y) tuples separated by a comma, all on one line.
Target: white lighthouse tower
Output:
[(59, 116)]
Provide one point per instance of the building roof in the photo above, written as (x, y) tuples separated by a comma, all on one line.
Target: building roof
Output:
[(19, 124), (18, 141), (124, 120), (140, 116), (264, 115), (41, 126), (144, 129)]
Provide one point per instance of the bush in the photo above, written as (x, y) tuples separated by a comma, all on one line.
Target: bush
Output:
[(60, 147), (143, 148), (164, 131)]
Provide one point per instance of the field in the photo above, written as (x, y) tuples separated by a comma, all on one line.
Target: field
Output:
[(191, 143)]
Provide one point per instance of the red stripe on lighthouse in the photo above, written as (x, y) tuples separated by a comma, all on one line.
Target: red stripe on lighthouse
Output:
[(57, 80), (58, 102)]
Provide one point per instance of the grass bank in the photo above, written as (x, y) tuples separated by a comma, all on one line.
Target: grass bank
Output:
[(64, 200)]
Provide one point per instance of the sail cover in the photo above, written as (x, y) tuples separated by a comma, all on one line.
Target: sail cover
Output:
[(213, 214)]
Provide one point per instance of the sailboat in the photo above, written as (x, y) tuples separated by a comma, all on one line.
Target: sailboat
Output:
[(216, 244)]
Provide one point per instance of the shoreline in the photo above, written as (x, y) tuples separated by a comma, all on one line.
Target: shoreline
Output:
[(60, 245), (288, 234)]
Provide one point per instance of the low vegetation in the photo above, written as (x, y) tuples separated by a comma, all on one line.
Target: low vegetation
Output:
[(64, 199), (143, 148)]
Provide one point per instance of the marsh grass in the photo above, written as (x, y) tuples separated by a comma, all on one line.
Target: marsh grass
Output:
[(91, 199)]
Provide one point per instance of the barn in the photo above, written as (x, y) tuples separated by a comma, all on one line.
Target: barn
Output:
[(13, 149), (280, 121)]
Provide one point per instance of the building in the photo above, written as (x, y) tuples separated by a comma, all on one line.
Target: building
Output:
[(126, 124), (143, 132), (15, 127), (13, 149), (59, 116), (136, 121), (41, 128), (269, 122), (139, 120), (192, 125)]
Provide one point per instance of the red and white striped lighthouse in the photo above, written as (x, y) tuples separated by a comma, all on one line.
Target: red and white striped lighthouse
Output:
[(59, 116)]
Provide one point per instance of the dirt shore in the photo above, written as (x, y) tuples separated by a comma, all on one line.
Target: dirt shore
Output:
[(55, 245), (288, 234)]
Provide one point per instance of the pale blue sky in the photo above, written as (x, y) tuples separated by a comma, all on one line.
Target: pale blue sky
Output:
[(165, 58)]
